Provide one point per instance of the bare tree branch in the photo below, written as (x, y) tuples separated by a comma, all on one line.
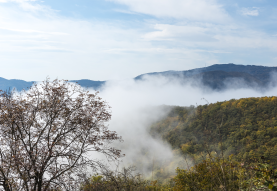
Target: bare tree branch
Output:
[(46, 134)]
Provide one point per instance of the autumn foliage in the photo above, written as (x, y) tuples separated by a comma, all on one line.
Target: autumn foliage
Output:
[(246, 128)]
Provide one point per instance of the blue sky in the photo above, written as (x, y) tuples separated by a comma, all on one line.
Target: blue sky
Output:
[(119, 39)]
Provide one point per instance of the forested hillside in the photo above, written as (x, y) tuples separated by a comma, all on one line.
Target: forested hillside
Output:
[(246, 128)]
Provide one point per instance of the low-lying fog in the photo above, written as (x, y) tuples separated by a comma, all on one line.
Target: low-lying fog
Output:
[(134, 109)]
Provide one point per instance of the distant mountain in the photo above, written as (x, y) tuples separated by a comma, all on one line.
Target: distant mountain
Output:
[(219, 80), (10, 84), (260, 72), (89, 83), (21, 84), (216, 77)]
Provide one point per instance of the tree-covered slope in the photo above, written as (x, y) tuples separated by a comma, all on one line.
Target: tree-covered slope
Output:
[(246, 128)]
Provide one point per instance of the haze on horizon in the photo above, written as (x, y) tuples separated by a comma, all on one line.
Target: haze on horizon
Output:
[(120, 39)]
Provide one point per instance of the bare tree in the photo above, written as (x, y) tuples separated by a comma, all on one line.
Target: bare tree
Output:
[(47, 134)]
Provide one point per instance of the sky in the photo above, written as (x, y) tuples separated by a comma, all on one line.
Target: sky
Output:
[(121, 39)]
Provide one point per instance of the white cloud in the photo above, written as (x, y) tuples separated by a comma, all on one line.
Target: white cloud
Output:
[(29, 5), (250, 11), (35, 45), (201, 10), (17, 1), (125, 11), (186, 32), (211, 37), (43, 43)]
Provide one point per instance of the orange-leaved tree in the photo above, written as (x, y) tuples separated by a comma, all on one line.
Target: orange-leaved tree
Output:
[(48, 133)]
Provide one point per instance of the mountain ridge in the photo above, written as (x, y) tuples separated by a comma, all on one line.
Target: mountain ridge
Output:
[(260, 71), (214, 76)]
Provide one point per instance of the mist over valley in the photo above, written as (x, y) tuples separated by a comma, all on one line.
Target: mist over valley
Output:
[(138, 103)]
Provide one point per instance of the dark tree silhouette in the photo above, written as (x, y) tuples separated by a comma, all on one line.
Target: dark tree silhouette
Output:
[(47, 134)]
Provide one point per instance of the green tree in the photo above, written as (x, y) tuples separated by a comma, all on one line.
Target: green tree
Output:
[(213, 174)]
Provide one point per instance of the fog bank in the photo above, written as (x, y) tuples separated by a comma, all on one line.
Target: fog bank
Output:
[(138, 104)]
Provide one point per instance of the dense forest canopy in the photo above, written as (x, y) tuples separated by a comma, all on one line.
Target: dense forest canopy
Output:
[(246, 128)]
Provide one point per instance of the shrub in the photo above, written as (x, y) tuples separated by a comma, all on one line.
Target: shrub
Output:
[(212, 174)]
